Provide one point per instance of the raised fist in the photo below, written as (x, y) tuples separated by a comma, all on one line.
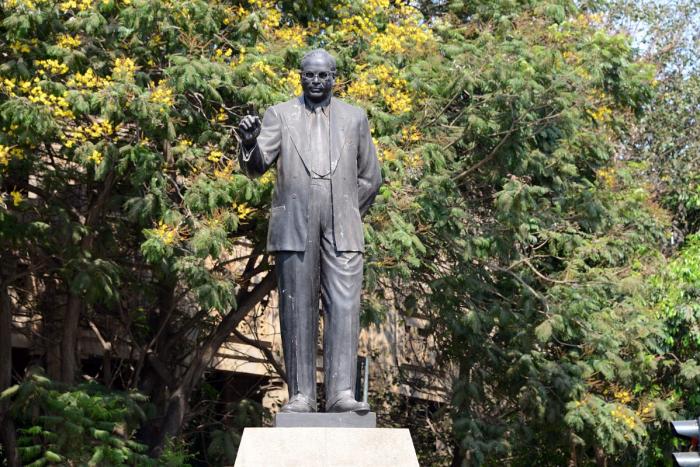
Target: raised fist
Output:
[(249, 129)]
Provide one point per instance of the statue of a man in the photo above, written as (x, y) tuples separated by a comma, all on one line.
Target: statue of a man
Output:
[(327, 177)]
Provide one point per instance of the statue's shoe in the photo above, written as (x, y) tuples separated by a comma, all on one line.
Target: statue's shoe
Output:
[(348, 404), (298, 404)]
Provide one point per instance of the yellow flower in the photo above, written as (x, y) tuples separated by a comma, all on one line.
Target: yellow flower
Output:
[(267, 177), (607, 176), (243, 210), (87, 80), (388, 44), (240, 59), (234, 14), (362, 87), (4, 155), (357, 25), (646, 409), (571, 57), (263, 68), (8, 86), (98, 129), (374, 5), (601, 114), (294, 36), (165, 233), (387, 154), (223, 54), (413, 160), (52, 66), (80, 5), (383, 80), (57, 105), (16, 197), (623, 396), (215, 155), (19, 47), (292, 82), (225, 172), (271, 16), (162, 94), (124, 67), (96, 157), (67, 41), (396, 100), (410, 134)]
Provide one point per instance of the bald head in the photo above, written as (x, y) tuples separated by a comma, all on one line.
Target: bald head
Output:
[(316, 55)]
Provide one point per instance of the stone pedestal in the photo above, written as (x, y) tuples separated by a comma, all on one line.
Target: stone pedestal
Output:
[(326, 420), (326, 447)]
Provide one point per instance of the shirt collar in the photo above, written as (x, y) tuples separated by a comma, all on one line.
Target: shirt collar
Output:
[(310, 106)]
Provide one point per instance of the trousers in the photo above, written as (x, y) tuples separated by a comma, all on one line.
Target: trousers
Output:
[(337, 278)]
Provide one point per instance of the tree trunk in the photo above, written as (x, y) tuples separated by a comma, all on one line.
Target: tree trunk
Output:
[(154, 376), (177, 406), (71, 319), (457, 456), (7, 425), (51, 328), (573, 456), (69, 340), (601, 459)]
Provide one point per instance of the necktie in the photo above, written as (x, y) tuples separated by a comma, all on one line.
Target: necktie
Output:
[(318, 135)]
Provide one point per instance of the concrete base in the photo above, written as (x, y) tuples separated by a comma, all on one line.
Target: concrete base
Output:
[(326, 420), (326, 447)]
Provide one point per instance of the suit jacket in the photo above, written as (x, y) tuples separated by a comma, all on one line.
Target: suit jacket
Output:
[(355, 174)]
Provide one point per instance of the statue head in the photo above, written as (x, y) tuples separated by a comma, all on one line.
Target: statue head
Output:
[(317, 75)]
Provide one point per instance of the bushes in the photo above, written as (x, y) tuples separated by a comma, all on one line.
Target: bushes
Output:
[(85, 423)]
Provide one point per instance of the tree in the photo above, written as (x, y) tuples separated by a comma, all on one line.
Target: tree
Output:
[(536, 237), (665, 139), (516, 214), (124, 206)]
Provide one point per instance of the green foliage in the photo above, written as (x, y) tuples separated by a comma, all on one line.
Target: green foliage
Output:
[(539, 242), (516, 213), (676, 291), (223, 444), (87, 423), (176, 453)]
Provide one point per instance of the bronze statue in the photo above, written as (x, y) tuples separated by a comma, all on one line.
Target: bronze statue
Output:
[(327, 177)]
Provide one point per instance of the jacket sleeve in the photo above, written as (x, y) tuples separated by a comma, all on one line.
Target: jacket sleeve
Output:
[(256, 160), (369, 176)]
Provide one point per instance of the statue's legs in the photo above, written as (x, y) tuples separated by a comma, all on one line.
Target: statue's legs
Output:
[(301, 276), (298, 307), (298, 279), (341, 284)]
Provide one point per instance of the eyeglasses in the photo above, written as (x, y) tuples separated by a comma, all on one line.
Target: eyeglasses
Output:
[(322, 75)]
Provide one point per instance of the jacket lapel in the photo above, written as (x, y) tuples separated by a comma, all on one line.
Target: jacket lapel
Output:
[(296, 123), (337, 141)]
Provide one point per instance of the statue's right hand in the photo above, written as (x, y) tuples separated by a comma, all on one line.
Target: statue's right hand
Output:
[(249, 129)]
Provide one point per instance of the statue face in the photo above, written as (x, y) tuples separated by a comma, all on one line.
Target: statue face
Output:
[(317, 79)]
